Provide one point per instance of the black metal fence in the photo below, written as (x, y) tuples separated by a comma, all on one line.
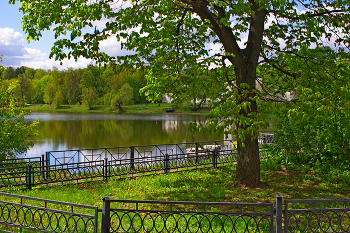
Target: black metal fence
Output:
[(165, 216), (36, 214), (138, 153), (323, 215), (320, 215), (102, 163), (81, 165)]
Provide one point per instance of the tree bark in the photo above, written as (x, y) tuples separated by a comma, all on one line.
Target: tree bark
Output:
[(248, 162), (119, 107)]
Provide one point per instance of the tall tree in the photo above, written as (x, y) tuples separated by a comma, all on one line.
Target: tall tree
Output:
[(170, 35), (124, 96), (73, 79), (89, 97), (25, 88), (8, 73)]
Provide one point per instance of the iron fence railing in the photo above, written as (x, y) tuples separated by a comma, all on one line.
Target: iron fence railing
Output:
[(38, 214), (166, 216), (18, 161), (135, 152), (102, 163), (318, 215)]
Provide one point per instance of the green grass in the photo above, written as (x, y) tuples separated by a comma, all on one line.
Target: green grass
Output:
[(131, 109), (206, 185), (201, 185)]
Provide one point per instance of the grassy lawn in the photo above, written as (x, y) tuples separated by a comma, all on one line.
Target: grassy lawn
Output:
[(131, 109), (203, 185), (207, 185)]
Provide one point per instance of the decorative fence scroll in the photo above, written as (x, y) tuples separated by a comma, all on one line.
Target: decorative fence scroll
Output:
[(318, 215), (164, 216), (45, 215), (20, 212)]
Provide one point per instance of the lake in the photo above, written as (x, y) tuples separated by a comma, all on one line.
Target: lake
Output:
[(64, 131)]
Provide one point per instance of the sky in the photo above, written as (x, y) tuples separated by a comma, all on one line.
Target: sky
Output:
[(16, 50)]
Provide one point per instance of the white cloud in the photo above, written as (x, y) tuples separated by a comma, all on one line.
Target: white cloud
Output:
[(8, 37), (11, 43), (16, 54), (33, 54), (50, 63), (214, 48), (112, 47)]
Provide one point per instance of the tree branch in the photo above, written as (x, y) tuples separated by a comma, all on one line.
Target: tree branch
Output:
[(295, 75), (309, 15), (200, 7)]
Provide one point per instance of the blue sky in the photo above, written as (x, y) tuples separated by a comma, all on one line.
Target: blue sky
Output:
[(14, 47), (17, 51)]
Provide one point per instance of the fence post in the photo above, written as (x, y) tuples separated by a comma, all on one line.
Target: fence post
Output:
[(105, 169), (106, 215), (42, 165), (29, 176), (166, 163), (214, 158), (196, 152), (279, 205), (47, 165), (132, 154)]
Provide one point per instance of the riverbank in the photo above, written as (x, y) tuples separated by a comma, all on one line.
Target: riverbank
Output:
[(166, 108)]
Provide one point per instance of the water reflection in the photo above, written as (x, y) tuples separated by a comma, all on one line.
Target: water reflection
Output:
[(62, 131)]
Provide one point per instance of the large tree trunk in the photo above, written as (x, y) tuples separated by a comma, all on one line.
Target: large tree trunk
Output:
[(248, 162), (245, 62)]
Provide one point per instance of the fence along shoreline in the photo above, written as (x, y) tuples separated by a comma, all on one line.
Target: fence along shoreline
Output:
[(102, 163)]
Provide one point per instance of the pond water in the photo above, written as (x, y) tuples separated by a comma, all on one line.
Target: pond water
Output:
[(65, 131)]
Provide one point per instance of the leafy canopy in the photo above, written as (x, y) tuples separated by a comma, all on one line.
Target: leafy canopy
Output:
[(173, 36), (313, 128), (16, 135)]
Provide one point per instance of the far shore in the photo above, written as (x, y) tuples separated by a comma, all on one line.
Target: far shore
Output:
[(162, 108)]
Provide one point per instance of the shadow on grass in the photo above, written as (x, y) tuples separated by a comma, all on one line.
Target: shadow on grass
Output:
[(218, 185), (209, 185)]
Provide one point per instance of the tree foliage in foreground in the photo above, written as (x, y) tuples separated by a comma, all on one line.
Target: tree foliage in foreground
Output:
[(16, 135), (314, 128), (173, 35)]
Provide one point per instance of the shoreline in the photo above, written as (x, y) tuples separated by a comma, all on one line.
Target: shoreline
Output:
[(127, 109)]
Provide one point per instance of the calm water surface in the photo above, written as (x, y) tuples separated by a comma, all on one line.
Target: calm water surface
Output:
[(63, 131)]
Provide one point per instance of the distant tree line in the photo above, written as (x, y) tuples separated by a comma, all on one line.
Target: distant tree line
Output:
[(107, 85)]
